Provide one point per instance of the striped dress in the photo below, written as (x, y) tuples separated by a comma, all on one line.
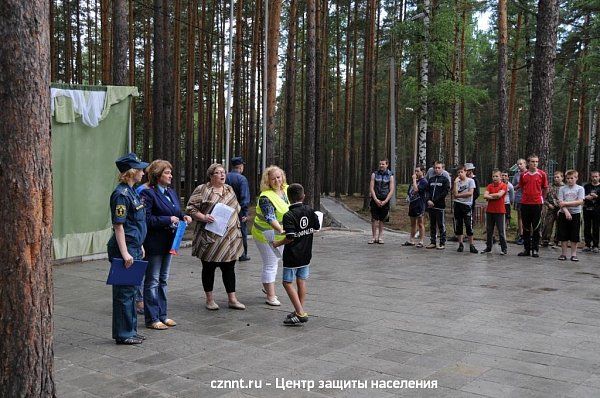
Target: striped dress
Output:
[(208, 246)]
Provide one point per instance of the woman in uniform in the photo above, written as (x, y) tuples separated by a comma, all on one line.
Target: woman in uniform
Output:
[(129, 226)]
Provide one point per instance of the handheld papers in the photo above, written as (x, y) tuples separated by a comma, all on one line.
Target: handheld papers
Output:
[(320, 216), (132, 276), (221, 213), (178, 237)]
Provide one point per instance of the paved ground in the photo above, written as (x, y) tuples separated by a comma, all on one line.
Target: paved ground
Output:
[(480, 325)]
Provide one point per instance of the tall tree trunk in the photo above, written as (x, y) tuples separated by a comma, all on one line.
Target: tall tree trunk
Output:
[(175, 155), (503, 135), (189, 98), (78, 56), (582, 132), (131, 76), (345, 169), (354, 179), (68, 42), (424, 86), (457, 58), (237, 113), (272, 61), (159, 89), (367, 142), (594, 135), (147, 84), (201, 142), (26, 298), (91, 44), (290, 86), (512, 96), (540, 114), (120, 42), (106, 30), (463, 81), (252, 124), (311, 88), (53, 56)]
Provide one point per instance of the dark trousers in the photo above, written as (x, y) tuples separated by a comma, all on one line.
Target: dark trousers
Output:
[(495, 220), (437, 224), (227, 272), (463, 216), (124, 317), (591, 227), (244, 229), (531, 216)]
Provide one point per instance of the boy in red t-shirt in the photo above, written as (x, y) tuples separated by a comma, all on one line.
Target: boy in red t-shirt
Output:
[(534, 185), (494, 214)]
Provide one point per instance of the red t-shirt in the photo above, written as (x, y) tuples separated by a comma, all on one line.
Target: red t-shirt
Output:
[(531, 186), (496, 205)]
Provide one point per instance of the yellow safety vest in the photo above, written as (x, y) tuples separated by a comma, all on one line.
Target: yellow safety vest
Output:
[(260, 223)]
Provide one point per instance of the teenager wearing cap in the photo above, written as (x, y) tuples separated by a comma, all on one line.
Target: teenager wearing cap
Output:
[(129, 231), (239, 183), (470, 169)]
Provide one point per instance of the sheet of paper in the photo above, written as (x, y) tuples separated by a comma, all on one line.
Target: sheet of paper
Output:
[(221, 213), (320, 215)]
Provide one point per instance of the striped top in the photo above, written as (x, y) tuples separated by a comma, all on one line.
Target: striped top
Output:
[(208, 246)]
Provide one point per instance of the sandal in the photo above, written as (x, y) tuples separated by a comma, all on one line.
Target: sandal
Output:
[(419, 245), (574, 258), (158, 325), (380, 241), (407, 243), (372, 241), (562, 257), (169, 322)]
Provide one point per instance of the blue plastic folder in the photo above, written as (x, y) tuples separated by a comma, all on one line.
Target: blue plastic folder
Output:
[(178, 237), (132, 276)]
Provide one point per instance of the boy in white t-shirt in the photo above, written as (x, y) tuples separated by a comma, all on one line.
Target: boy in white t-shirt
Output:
[(463, 200), (570, 200)]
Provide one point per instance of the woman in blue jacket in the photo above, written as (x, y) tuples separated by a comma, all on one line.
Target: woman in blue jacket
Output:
[(163, 213)]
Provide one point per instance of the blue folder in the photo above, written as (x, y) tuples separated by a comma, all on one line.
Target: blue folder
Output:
[(132, 276), (178, 237)]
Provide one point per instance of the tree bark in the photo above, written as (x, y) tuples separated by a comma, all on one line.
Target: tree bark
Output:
[(290, 98), (512, 96), (78, 55), (252, 171), (147, 85), (175, 131), (367, 141), (120, 41), (68, 42), (272, 61), (540, 114), (189, 98), (424, 86), (26, 297), (237, 113), (503, 135), (309, 169), (105, 38)]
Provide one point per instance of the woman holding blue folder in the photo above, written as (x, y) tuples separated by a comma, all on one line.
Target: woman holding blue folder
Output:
[(163, 213), (129, 225)]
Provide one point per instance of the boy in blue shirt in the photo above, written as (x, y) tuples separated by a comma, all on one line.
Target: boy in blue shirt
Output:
[(299, 223)]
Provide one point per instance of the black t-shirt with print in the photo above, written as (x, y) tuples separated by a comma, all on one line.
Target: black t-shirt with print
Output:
[(299, 224)]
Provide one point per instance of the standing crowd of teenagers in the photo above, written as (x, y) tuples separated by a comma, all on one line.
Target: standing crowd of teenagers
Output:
[(542, 208)]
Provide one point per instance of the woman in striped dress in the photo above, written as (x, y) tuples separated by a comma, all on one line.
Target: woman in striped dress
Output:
[(213, 250)]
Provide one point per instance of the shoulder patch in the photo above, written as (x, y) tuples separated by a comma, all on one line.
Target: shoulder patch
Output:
[(120, 210)]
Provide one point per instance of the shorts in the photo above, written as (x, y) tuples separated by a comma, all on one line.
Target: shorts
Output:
[(568, 230), (508, 211), (380, 213), (416, 210), (290, 274)]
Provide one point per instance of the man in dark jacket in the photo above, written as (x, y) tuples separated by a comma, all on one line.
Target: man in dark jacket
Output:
[(437, 190), (239, 183)]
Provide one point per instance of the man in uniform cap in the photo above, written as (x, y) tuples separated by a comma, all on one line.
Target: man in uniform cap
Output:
[(239, 183)]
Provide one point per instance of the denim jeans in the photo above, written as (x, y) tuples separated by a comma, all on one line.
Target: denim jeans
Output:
[(124, 317), (155, 288)]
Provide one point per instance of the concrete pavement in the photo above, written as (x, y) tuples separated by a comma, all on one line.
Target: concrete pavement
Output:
[(478, 325)]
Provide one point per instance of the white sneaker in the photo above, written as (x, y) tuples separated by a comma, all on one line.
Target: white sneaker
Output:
[(273, 302)]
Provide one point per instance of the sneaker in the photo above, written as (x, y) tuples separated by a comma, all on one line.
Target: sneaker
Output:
[(587, 249), (486, 250), (244, 258), (524, 253), (294, 319), (534, 253), (596, 250), (520, 241), (461, 248), (504, 252), (431, 246), (441, 247), (473, 249)]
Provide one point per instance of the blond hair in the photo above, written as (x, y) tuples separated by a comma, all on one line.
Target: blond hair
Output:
[(128, 175), (570, 173), (264, 180), (156, 169), (211, 170)]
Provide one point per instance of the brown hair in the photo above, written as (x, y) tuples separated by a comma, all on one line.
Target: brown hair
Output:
[(570, 173), (211, 170), (156, 169), (127, 175)]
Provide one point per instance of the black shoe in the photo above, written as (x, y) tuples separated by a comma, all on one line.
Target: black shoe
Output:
[(534, 253), (140, 336), (504, 252), (486, 250), (524, 253), (473, 249), (294, 319), (244, 258), (461, 248), (129, 341)]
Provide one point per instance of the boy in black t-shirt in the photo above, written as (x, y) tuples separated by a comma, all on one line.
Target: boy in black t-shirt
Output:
[(299, 224)]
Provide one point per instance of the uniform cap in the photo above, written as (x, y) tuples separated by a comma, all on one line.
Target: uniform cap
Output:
[(130, 161), (237, 161)]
